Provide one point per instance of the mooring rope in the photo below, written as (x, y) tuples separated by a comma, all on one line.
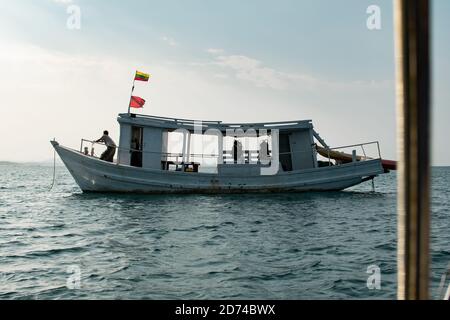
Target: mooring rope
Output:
[(442, 288), (54, 170)]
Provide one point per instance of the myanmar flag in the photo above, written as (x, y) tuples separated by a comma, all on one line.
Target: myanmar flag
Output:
[(140, 76), (136, 102)]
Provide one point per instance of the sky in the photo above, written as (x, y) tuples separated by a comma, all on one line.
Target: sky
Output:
[(235, 61)]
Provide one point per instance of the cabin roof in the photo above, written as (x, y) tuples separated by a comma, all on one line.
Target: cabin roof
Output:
[(191, 125)]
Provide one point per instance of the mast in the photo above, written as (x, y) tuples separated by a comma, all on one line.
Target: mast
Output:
[(412, 28)]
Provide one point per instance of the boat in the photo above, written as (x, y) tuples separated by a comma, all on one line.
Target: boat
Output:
[(295, 159)]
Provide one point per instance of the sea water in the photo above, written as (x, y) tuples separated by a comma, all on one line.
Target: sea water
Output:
[(63, 244)]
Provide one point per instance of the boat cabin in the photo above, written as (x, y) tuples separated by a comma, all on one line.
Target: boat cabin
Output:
[(193, 146)]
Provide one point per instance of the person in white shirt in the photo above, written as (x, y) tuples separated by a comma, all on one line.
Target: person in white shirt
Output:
[(108, 155)]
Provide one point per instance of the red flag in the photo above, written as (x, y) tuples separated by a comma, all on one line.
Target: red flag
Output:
[(137, 102)]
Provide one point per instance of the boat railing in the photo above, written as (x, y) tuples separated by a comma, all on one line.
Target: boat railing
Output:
[(361, 145), (163, 154), (176, 120), (247, 156), (192, 122), (335, 152)]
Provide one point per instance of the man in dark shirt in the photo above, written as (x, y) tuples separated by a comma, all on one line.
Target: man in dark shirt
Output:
[(108, 155)]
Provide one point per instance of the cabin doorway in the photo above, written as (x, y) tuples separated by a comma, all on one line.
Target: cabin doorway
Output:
[(137, 137), (285, 152)]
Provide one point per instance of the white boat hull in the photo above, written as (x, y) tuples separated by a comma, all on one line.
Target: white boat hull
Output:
[(94, 175)]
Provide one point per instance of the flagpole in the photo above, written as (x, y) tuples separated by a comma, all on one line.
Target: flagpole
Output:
[(131, 95)]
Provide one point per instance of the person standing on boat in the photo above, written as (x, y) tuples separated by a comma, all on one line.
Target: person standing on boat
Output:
[(264, 155), (237, 151), (136, 153), (108, 155), (235, 155)]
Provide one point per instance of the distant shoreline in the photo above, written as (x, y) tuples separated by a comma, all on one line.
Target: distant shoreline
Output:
[(7, 163), (11, 163)]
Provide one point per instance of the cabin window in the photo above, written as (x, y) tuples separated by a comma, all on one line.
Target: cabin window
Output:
[(137, 138)]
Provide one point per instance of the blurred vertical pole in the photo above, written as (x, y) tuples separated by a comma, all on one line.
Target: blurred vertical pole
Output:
[(412, 36)]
